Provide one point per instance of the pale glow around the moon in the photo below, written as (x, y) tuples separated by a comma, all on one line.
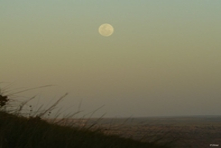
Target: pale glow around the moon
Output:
[(106, 30)]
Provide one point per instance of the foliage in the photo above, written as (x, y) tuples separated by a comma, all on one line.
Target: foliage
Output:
[(18, 131)]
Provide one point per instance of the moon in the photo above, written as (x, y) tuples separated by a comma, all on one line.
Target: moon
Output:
[(106, 30)]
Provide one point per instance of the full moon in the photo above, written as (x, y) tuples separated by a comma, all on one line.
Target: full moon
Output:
[(106, 30)]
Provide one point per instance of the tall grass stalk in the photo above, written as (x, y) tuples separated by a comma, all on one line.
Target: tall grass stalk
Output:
[(17, 130)]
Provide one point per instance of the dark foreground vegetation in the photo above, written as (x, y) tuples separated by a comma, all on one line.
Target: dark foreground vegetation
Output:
[(18, 131), (21, 132)]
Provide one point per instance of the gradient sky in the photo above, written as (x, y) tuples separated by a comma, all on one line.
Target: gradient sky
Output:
[(164, 58)]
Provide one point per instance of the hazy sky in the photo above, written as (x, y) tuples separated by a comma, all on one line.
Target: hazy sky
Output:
[(163, 59)]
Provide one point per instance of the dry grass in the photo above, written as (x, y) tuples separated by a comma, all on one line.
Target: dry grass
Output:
[(20, 131)]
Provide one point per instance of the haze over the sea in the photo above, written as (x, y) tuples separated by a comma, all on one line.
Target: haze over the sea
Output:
[(163, 59)]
